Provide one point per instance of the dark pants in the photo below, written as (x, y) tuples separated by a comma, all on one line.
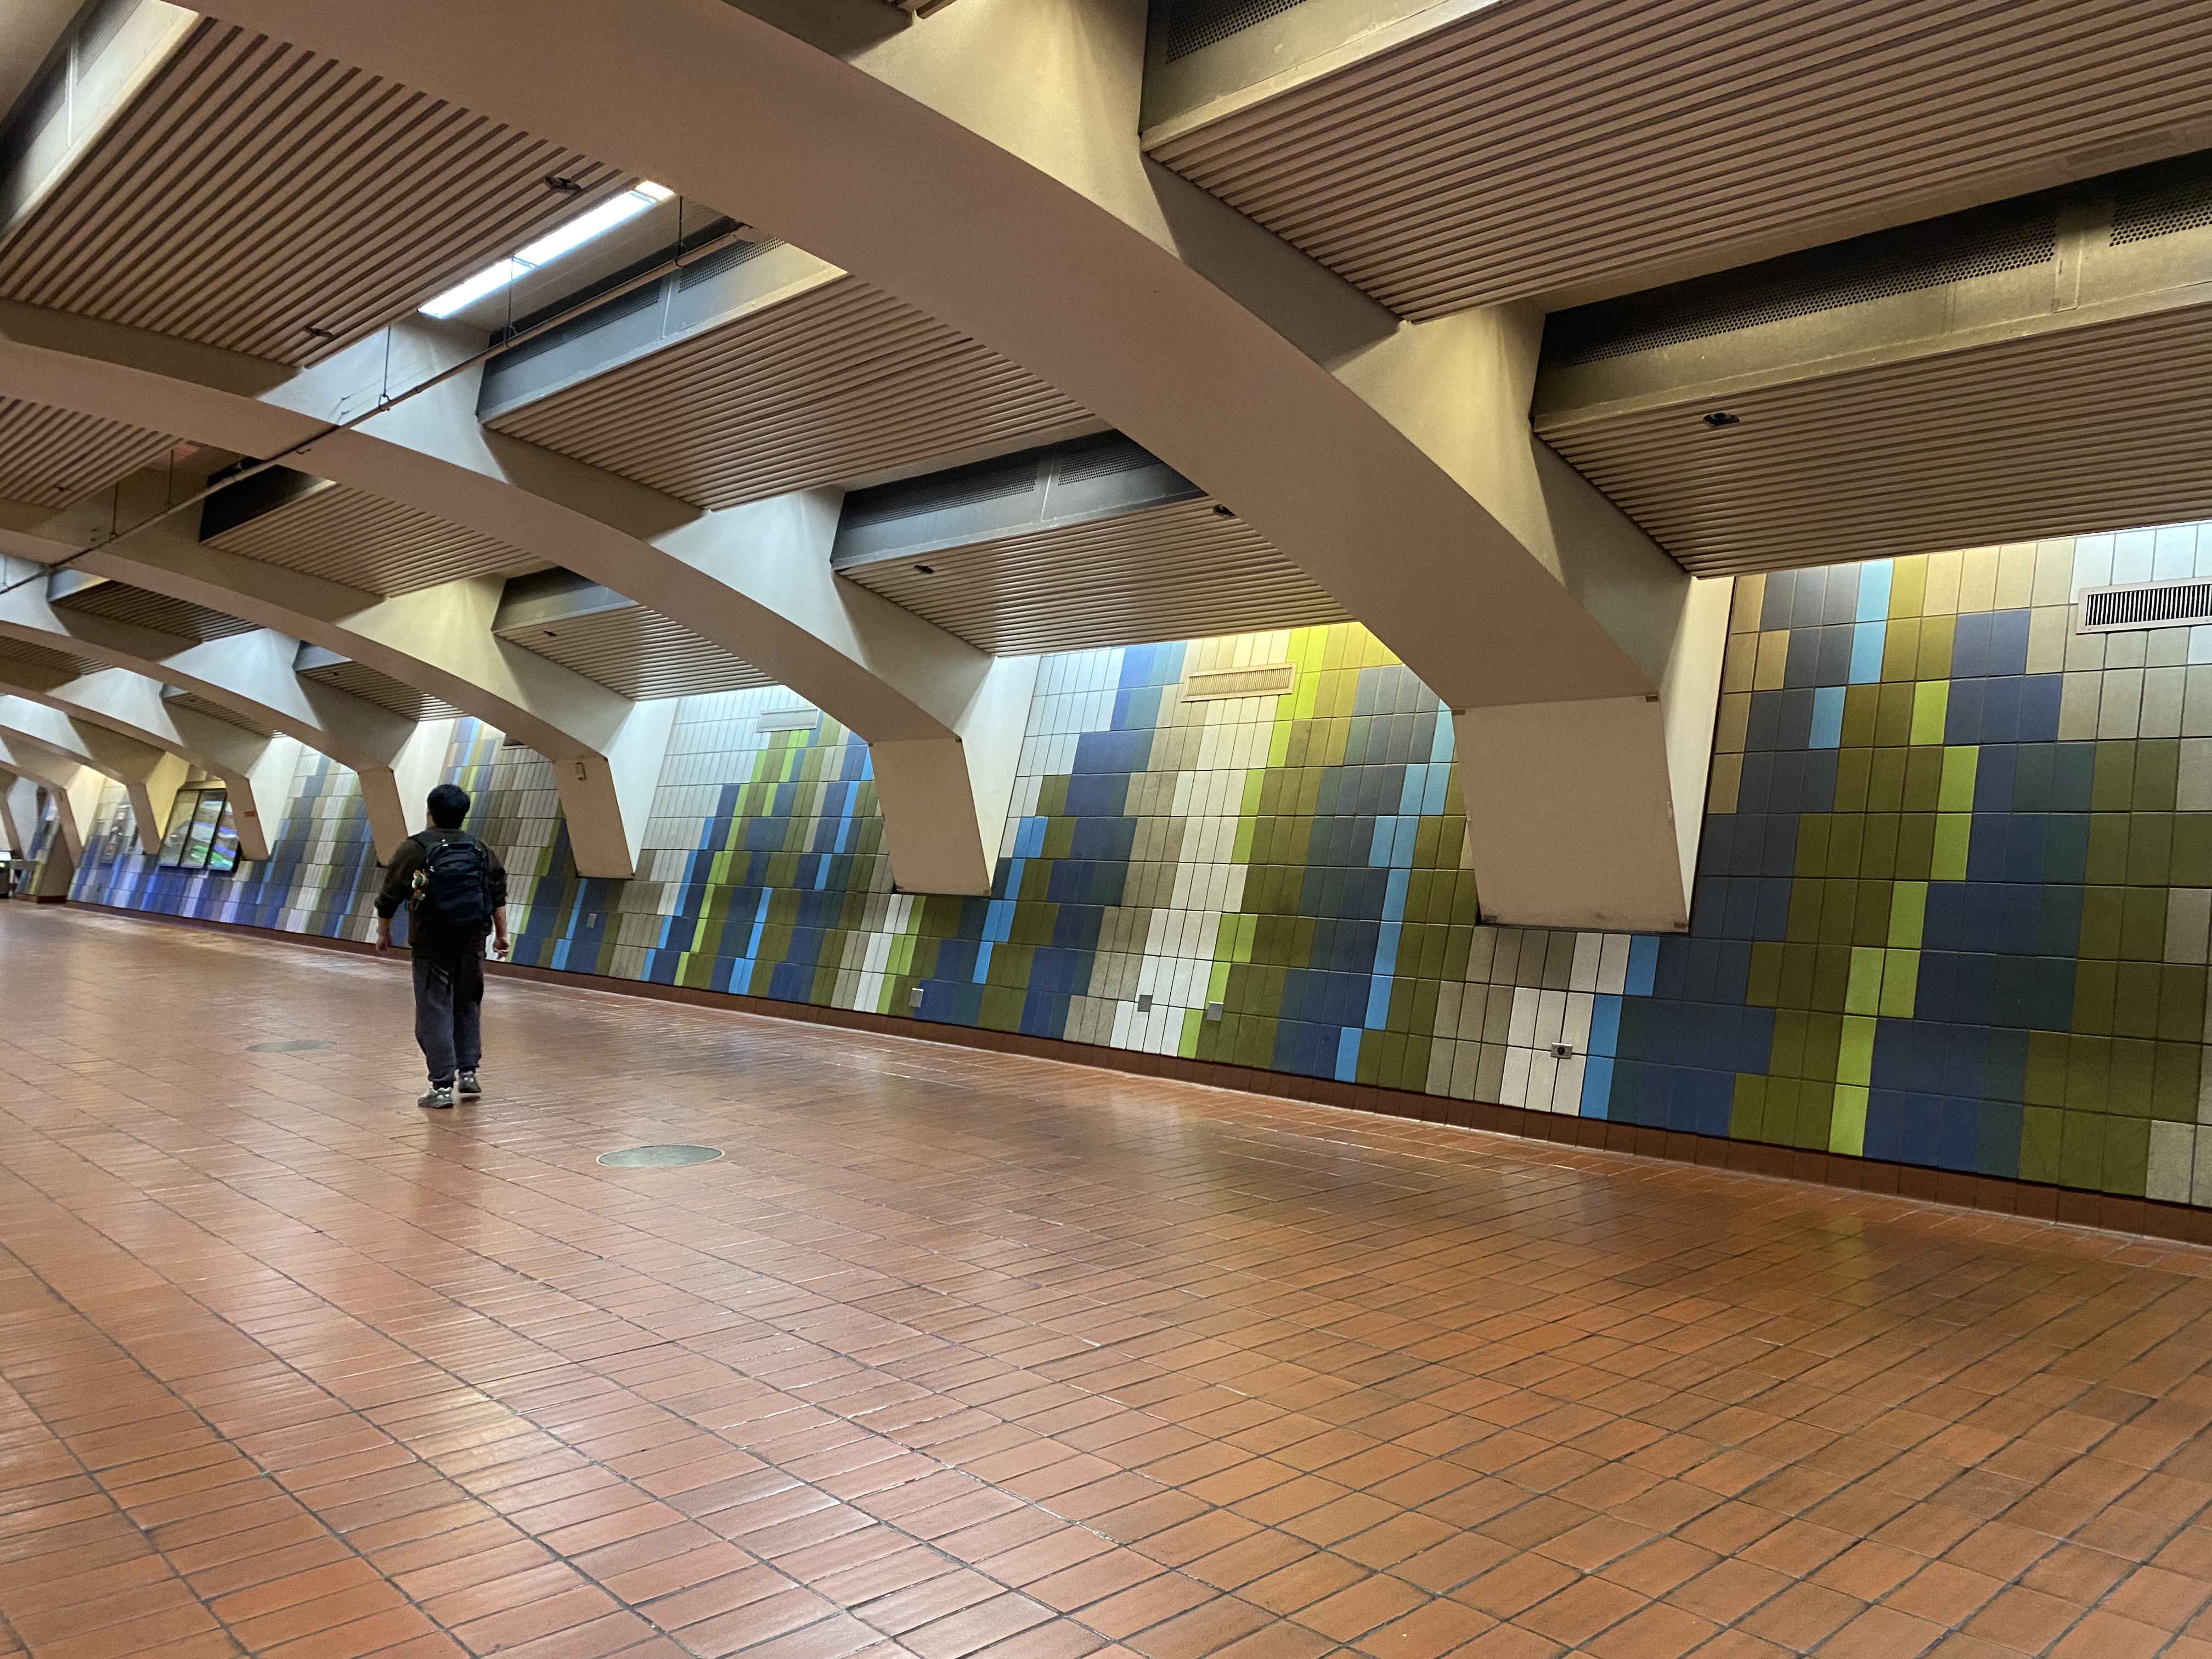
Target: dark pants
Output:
[(448, 1009)]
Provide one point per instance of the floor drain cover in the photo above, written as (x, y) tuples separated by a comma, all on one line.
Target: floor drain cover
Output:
[(285, 1047), (660, 1157)]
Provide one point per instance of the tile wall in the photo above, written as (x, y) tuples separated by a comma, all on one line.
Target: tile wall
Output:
[(1953, 906)]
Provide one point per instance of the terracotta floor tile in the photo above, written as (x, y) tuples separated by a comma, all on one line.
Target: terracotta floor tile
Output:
[(946, 1361)]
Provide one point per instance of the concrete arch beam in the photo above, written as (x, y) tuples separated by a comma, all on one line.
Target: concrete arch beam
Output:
[(255, 768), (606, 750), (984, 165), (250, 674), (150, 776), (755, 579), (73, 789)]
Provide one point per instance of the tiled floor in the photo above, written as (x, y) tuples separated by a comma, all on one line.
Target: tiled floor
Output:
[(957, 1353)]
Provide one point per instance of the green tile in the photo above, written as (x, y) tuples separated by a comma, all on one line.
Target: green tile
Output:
[(1832, 976), (2088, 1072), (2181, 999), (2082, 1150), (2158, 774), (2142, 922), (2112, 787), (2174, 1082), (2095, 984), (2127, 1155), (1812, 845), (1886, 773), (2191, 864), (2046, 1067), (2150, 849), (1932, 704), (1915, 846), (1847, 1121), (2128, 1084), (1779, 1119), (2104, 917), (2108, 848), (1878, 847), (1786, 1054), (1747, 1108), (1763, 986)]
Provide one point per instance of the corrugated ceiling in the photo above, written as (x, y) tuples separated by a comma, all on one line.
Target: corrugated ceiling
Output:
[(639, 653), (273, 202), (180, 619), (2057, 433), (52, 457), (14, 654), (1530, 148), (214, 710), (349, 535), (1172, 572), (835, 383), (371, 685)]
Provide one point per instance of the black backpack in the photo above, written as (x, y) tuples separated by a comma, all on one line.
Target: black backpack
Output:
[(452, 891)]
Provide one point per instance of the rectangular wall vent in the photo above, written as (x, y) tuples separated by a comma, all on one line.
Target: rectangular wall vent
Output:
[(787, 719), (1273, 680), (2144, 605)]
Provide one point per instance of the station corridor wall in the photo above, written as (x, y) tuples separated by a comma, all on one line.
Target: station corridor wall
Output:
[(1952, 912)]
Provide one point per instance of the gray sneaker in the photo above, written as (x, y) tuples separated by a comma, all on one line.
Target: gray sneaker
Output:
[(466, 1087), (439, 1097)]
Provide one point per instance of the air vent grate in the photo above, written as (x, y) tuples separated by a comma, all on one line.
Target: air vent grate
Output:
[(787, 719), (1273, 680), (2145, 604), (1103, 459), (2159, 203), (1876, 267), (964, 486), (637, 300), (1194, 25), (721, 260)]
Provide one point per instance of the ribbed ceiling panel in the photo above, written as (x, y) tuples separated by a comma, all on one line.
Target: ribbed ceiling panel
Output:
[(2062, 433), (839, 382), (23, 653), (1173, 572), (199, 705), (351, 537), (1532, 148), (273, 202), (641, 653), (380, 688), (52, 457), (120, 601)]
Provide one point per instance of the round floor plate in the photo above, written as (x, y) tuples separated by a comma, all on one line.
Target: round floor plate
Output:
[(660, 1157), (300, 1047)]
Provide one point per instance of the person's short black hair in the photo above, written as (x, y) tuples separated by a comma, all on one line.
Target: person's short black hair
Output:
[(449, 805)]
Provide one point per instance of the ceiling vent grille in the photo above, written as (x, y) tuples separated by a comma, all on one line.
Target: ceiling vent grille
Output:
[(1907, 260), (1102, 459), (1194, 25), (1274, 679), (2159, 200), (2145, 604), (962, 487)]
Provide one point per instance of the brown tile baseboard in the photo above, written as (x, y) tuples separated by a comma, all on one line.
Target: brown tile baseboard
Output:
[(1996, 1193)]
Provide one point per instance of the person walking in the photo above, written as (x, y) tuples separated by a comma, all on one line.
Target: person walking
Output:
[(455, 890)]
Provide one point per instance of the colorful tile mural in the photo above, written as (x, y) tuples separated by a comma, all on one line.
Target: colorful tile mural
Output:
[(1951, 910)]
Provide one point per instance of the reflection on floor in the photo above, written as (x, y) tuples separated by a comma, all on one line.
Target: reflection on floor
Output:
[(954, 1353)]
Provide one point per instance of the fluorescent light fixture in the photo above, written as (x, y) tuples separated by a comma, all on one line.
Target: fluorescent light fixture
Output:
[(548, 248)]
